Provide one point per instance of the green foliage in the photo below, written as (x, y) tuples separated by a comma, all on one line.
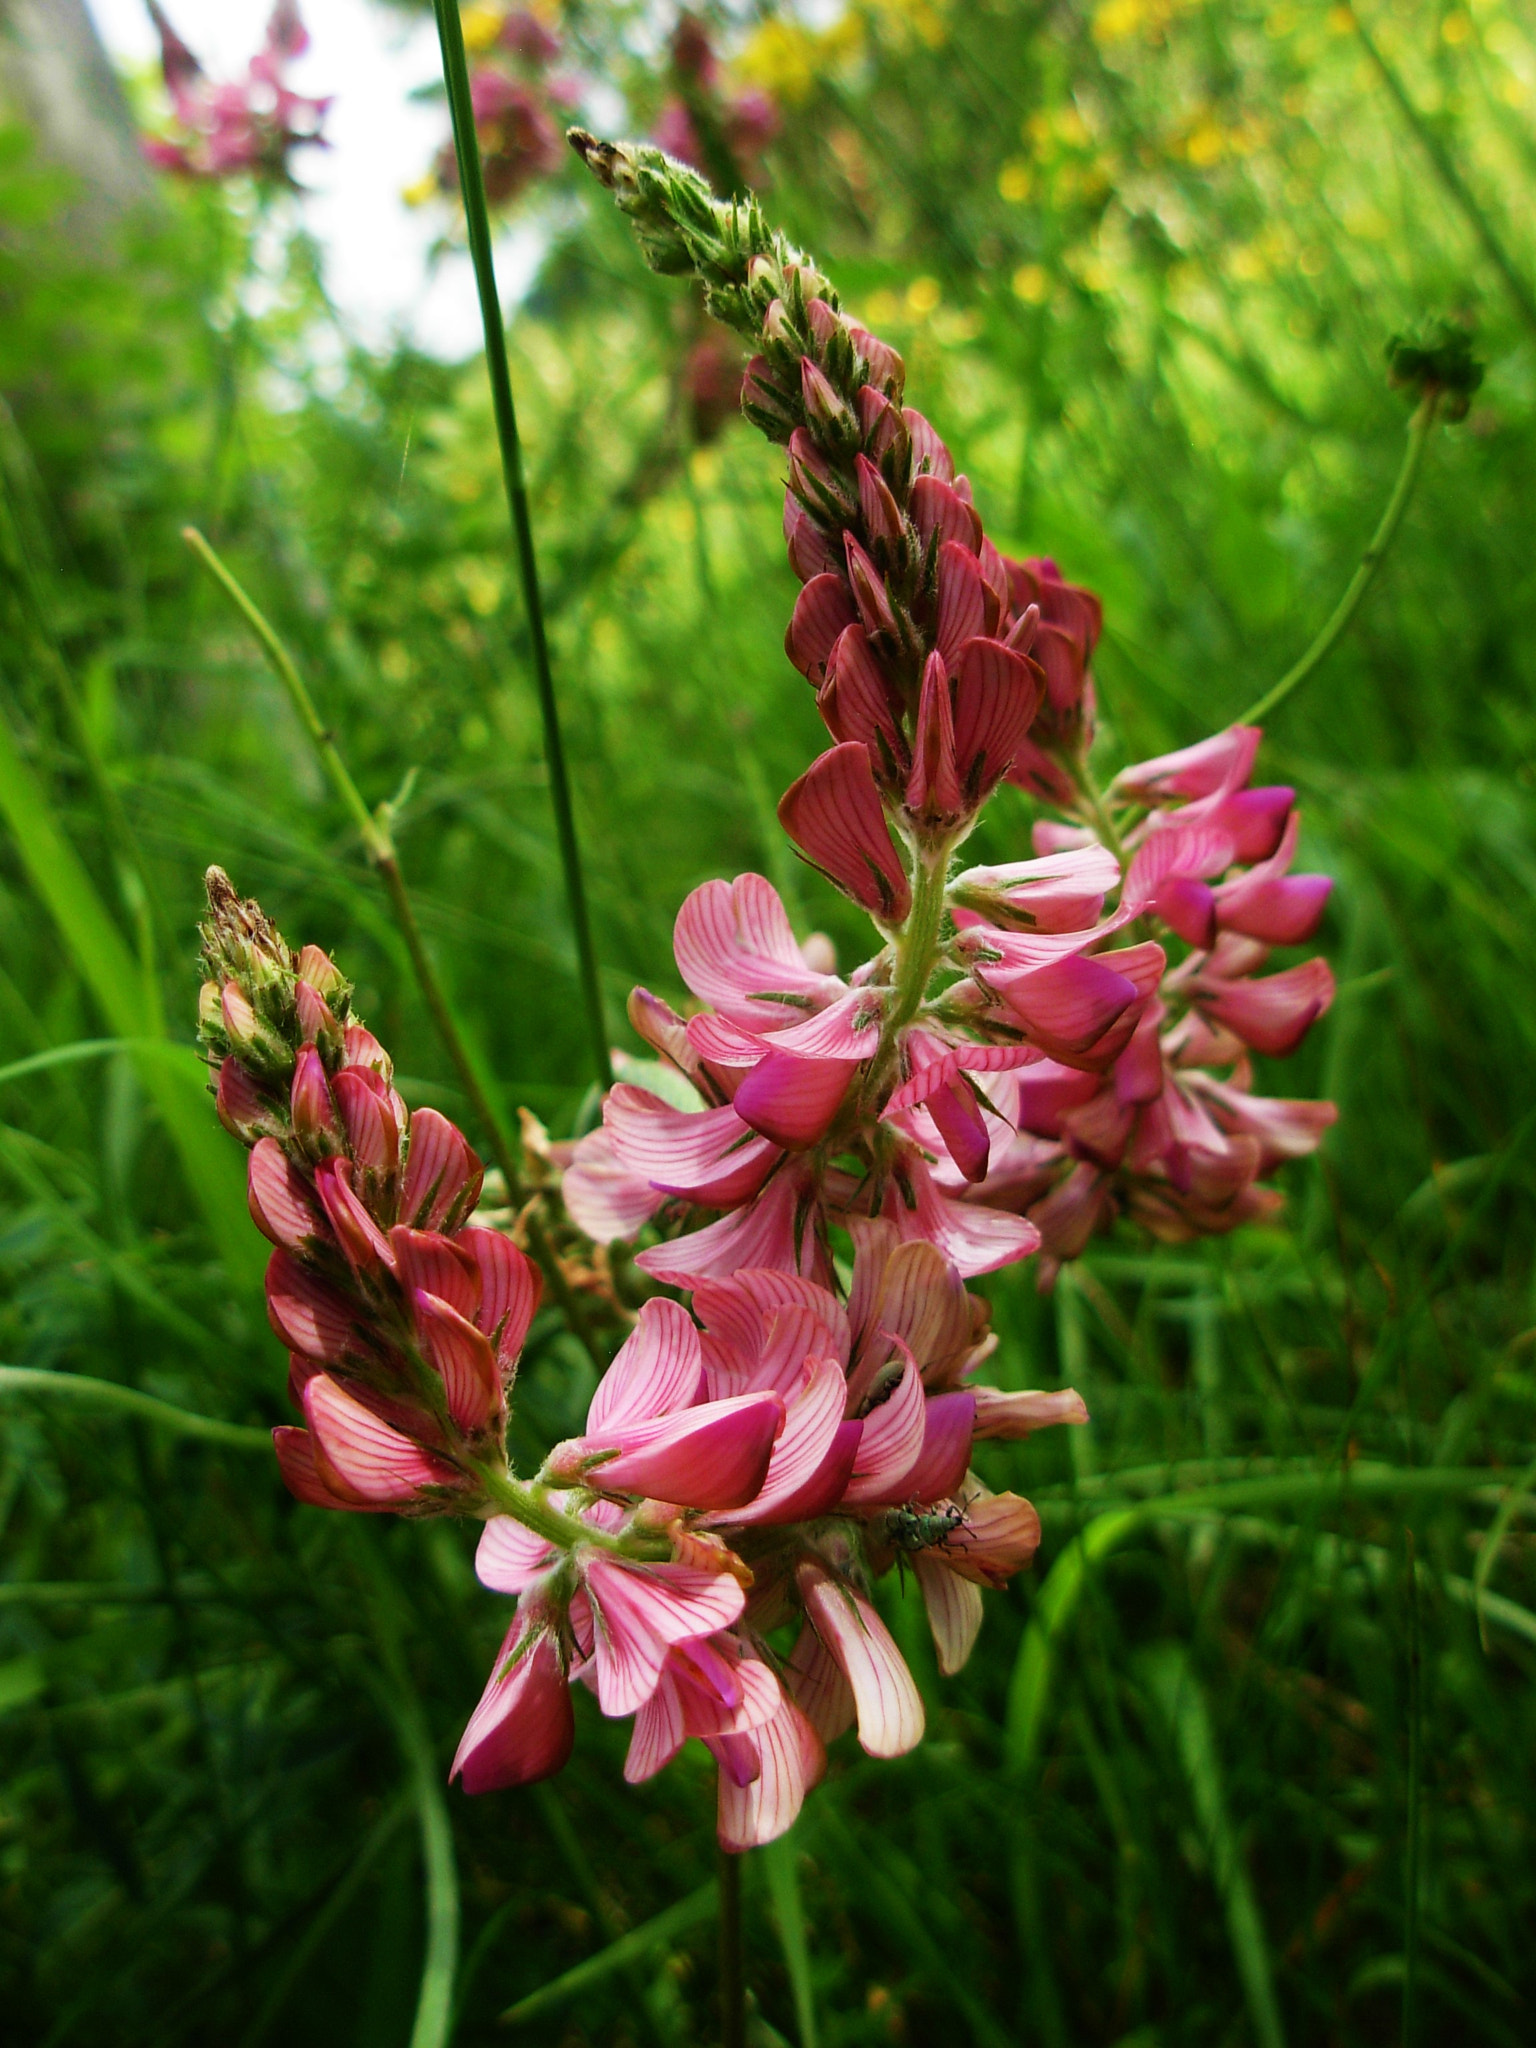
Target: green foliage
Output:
[(1143, 262)]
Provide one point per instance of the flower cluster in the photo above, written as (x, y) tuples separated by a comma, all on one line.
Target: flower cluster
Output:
[(251, 125), (519, 106), (1031, 1050), (703, 122)]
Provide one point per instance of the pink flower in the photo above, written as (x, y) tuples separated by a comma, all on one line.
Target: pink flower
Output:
[(251, 126), (523, 1728)]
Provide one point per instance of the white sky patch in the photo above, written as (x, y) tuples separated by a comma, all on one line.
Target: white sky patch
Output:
[(376, 248)]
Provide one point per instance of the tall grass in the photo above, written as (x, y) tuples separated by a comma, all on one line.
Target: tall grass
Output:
[(1249, 1756)]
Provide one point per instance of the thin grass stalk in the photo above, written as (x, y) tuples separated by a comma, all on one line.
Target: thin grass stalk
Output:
[(477, 222), (733, 1975), (379, 846), (1381, 540), (1415, 1771)]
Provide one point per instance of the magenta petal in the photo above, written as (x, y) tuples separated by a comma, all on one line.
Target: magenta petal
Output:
[(442, 1173), (1282, 910), (372, 1132), (936, 507), (813, 1459), (820, 1690), (892, 1441), (656, 1370), (359, 1236), (509, 1556), (877, 508), (711, 1456), (1223, 761), (709, 1155), (932, 784), (962, 1126), (834, 816), (1272, 1015), (362, 1458), (973, 1238), (1187, 851), (523, 1728), (948, 1427), (772, 1230), (1069, 1004), (997, 693), (425, 1258), (793, 1100), (859, 703), (962, 601), (1188, 908), (889, 1709), (823, 608)]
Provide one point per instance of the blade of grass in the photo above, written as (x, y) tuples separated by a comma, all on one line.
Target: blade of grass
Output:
[(651, 1934), (1415, 1771), (1488, 1556), (1177, 1692), (378, 843), (124, 996), (78, 1386), (781, 1863), (477, 221)]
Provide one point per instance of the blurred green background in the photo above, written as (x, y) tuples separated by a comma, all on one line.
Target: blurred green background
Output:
[(1240, 1761)]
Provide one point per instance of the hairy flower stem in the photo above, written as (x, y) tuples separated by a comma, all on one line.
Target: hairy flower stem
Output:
[(379, 846), (917, 947), (1095, 808), (477, 222), (1402, 492)]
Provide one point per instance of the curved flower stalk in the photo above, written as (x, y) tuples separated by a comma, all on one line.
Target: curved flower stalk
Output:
[(251, 125)]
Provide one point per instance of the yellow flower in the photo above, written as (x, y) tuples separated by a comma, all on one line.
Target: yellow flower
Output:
[(1456, 28), (1117, 19), (1013, 181), (923, 294), (1205, 145), (425, 188), (1032, 284), (482, 25)]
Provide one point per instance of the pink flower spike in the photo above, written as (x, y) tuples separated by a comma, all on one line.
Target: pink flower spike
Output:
[(656, 1371), (442, 1174), (711, 1456), (372, 1132), (462, 1359), (954, 1610), (890, 1713), (856, 702), (793, 1100), (523, 1729), (833, 815), (279, 1201), (1011, 1417), (790, 1760), (822, 610), (937, 508), (997, 693), (639, 1611), (1224, 761), (1273, 1015), (362, 1458), (933, 784)]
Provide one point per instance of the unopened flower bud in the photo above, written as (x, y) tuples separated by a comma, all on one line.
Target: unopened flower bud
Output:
[(210, 1009), (320, 972), (314, 1115), (315, 1018), (823, 407), (241, 1106)]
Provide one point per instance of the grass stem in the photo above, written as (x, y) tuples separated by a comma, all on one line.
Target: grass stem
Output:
[(733, 1976), (477, 223), (1382, 539)]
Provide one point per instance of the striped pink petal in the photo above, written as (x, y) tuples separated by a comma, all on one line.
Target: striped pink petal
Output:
[(442, 1174), (639, 1611), (962, 613), (735, 949), (281, 1205), (932, 783), (361, 1457), (790, 1759), (957, 1113), (655, 1371), (509, 1556), (523, 1728), (462, 1358), (892, 1440), (890, 1713), (935, 507), (605, 1198), (834, 816), (1221, 762), (815, 1679), (1067, 1006), (848, 1029), (822, 610), (813, 1459), (295, 1450), (425, 1258), (954, 1610), (308, 1313), (1060, 892), (708, 1155), (858, 702), (972, 1238), (362, 1097), (1282, 910), (359, 1236), (712, 1456), (999, 1536), (510, 1287), (997, 693)]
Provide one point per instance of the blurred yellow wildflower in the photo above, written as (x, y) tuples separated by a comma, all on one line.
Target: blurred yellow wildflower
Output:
[(482, 25), (923, 294), (1014, 180), (1032, 284)]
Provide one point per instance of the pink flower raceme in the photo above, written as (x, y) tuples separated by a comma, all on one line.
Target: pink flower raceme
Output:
[(703, 122), (519, 109), (792, 1451), (250, 126), (403, 1322)]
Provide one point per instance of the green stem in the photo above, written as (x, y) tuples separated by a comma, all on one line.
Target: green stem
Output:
[(1444, 165), (477, 222), (1382, 539), (917, 952), (1415, 1769), (528, 1502), (1098, 811), (733, 1976), (379, 845)]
